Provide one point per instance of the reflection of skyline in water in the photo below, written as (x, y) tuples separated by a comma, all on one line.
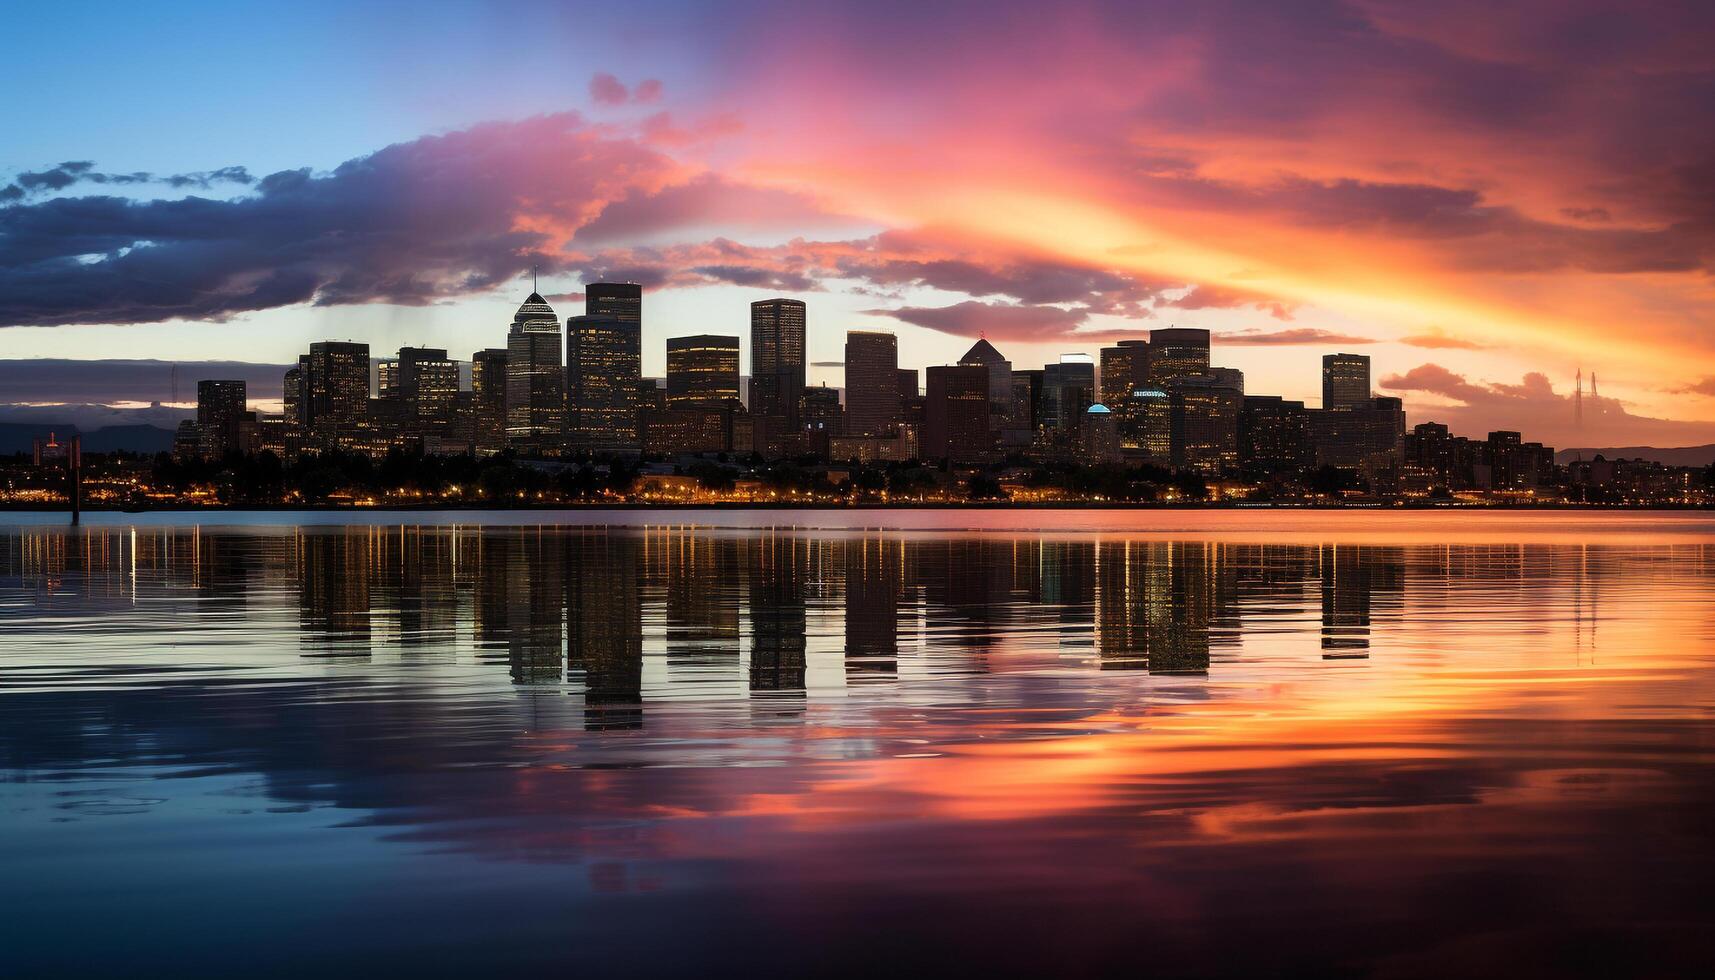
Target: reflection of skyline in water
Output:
[(1098, 737)]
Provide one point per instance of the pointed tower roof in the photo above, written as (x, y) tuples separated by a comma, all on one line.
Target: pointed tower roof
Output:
[(983, 352), (536, 313)]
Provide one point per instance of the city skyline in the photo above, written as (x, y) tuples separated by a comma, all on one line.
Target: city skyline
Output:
[(1513, 222)]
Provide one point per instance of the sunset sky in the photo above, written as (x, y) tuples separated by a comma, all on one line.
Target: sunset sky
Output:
[(1484, 198)]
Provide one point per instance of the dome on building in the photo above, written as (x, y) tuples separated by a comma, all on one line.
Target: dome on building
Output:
[(1097, 409)]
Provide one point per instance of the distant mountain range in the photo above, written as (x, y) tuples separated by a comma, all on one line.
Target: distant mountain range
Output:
[(20, 437), (1682, 456)]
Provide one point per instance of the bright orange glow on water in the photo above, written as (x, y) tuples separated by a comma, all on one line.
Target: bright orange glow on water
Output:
[(1388, 744)]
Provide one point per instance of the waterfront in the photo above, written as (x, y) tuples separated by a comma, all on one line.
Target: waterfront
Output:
[(1061, 743)]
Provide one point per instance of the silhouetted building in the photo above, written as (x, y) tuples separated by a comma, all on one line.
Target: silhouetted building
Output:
[(1001, 415), (1345, 381), (604, 365), (702, 371), (488, 400), (692, 428), (1274, 434), (956, 414), (621, 300), (872, 383), (822, 418), (535, 378), (1068, 388), (777, 369), (1359, 436), (221, 416), (1098, 437)]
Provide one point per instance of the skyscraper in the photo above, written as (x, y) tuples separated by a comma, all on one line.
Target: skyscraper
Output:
[(604, 363), (956, 413), (428, 383), (872, 383), (220, 417), (1177, 352), (620, 300), (702, 371), (334, 386), (1124, 367), (535, 377), (488, 399), (1001, 415), (1345, 380), (1068, 388), (777, 366)]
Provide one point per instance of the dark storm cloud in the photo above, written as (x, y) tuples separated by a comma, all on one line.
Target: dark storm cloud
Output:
[(409, 224), (72, 172)]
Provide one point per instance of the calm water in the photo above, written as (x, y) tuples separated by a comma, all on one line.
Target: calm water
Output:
[(1044, 743)]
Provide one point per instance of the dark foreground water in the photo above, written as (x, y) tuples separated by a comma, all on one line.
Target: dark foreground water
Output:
[(1057, 744)]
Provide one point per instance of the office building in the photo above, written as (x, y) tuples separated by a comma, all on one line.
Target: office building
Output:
[(621, 300), (1144, 422), (1125, 368), (428, 385), (334, 392), (535, 378), (604, 367), (1098, 436), (777, 370), (1355, 436), (221, 416), (1205, 423), (956, 414), (872, 383), (692, 428), (1175, 353), (488, 400), (702, 371), (1068, 388), (822, 418), (1345, 381), (1274, 434), (387, 378), (1001, 416)]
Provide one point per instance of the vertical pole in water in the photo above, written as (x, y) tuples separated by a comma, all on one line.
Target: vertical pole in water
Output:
[(74, 470)]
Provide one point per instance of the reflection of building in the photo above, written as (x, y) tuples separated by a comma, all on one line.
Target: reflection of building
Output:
[(333, 573), (874, 570), (777, 619), (1354, 577), (604, 625)]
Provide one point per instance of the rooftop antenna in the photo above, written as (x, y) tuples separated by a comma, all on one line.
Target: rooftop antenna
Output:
[(1578, 402), (533, 278)]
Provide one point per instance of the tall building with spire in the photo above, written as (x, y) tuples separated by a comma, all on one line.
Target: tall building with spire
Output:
[(535, 378)]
